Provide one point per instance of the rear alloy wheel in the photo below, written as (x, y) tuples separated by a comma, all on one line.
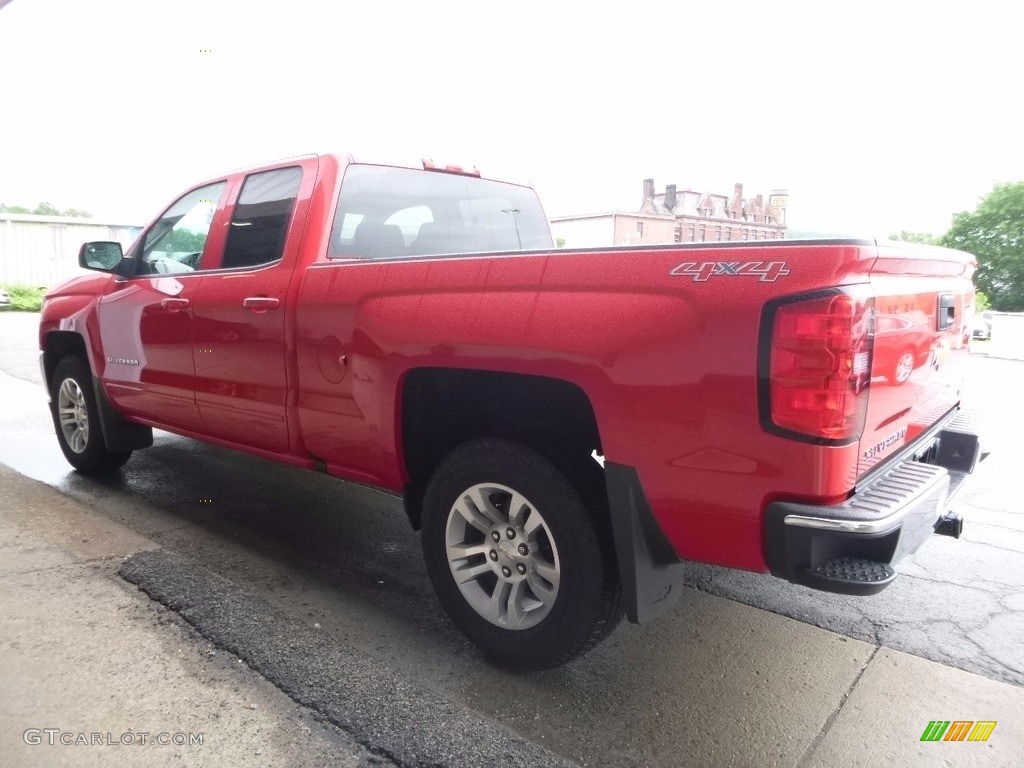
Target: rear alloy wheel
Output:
[(74, 411), (502, 556), (515, 557)]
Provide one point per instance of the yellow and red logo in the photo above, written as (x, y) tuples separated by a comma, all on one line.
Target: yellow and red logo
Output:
[(958, 730)]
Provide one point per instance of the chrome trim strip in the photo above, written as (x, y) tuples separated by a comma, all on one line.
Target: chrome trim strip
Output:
[(893, 495), (883, 525)]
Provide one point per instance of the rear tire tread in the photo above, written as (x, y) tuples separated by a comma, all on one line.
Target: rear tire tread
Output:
[(582, 619)]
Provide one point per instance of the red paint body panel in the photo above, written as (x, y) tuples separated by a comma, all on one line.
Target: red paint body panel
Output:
[(906, 283), (244, 373), (668, 362), (135, 325)]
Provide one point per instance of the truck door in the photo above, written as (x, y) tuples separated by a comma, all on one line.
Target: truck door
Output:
[(146, 319), (241, 311)]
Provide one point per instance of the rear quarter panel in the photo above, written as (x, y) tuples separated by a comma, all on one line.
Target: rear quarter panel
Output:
[(669, 363)]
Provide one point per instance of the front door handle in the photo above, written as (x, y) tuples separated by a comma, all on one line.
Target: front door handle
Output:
[(174, 305), (260, 304)]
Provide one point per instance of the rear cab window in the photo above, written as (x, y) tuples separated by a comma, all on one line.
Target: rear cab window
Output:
[(261, 217), (387, 213)]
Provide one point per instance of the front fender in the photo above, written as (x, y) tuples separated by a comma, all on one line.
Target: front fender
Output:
[(72, 308)]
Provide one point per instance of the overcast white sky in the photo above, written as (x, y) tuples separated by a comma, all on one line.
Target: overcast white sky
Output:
[(876, 116)]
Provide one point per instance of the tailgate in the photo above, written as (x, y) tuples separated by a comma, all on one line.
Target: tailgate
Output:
[(923, 307)]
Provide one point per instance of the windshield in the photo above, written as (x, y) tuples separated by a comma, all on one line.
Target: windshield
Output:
[(388, 212)]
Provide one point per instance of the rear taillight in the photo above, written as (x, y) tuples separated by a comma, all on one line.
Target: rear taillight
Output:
[(816, 370)]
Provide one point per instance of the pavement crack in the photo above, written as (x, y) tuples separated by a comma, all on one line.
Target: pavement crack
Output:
[(63, 566), (156, 535), (996, 546), (813, 746), (973, 587)]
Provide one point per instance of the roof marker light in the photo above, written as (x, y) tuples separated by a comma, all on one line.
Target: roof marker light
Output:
[(430, 165)]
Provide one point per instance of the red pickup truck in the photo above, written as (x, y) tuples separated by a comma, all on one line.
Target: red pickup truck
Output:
[(566, 427)]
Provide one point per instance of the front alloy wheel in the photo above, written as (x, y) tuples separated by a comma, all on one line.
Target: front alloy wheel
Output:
[(74, 415), (76, 419)]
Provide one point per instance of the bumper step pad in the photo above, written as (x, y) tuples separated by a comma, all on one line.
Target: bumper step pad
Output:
[(849, 548), (850, 576)]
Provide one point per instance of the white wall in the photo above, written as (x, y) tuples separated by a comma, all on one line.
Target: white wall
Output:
[(594, 232), (42, 251), (1007, 335)]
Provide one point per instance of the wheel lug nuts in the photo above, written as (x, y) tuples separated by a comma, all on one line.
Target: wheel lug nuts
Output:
[(523, 549), (511, 533), (505, 571), (522, 569), (495, 535), (494, 554)]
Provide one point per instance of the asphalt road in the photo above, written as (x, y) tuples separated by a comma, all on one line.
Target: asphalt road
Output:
[(339, 561), (959, 602)]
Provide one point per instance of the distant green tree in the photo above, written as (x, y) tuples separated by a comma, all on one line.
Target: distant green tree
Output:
[(76, 213), (185, 241), (994, 232), (925, 238), (981, 302), (46, 209)]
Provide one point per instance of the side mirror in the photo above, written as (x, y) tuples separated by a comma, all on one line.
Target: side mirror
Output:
[(101, 256)]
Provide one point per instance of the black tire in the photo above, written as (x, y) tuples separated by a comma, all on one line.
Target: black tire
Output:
[(587, 604), (91, 454)]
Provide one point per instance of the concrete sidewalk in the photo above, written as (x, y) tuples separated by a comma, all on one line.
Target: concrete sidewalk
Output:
[(84, 652)]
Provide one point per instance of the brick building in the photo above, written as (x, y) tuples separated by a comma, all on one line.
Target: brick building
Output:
[(679, 217), (597, 230), (710, 217)]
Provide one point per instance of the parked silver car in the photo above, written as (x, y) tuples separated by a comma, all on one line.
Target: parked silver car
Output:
[(981, 327)]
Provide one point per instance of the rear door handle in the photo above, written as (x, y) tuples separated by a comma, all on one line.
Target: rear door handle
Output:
[(260, 304), (174, 305)]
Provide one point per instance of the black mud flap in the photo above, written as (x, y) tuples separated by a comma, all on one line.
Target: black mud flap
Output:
[(650, 570), (119, 434)]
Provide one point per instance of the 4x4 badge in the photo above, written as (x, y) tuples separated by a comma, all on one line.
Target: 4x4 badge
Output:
[(767, 271)]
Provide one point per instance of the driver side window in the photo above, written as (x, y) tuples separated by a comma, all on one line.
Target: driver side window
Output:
[(174, 244)]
